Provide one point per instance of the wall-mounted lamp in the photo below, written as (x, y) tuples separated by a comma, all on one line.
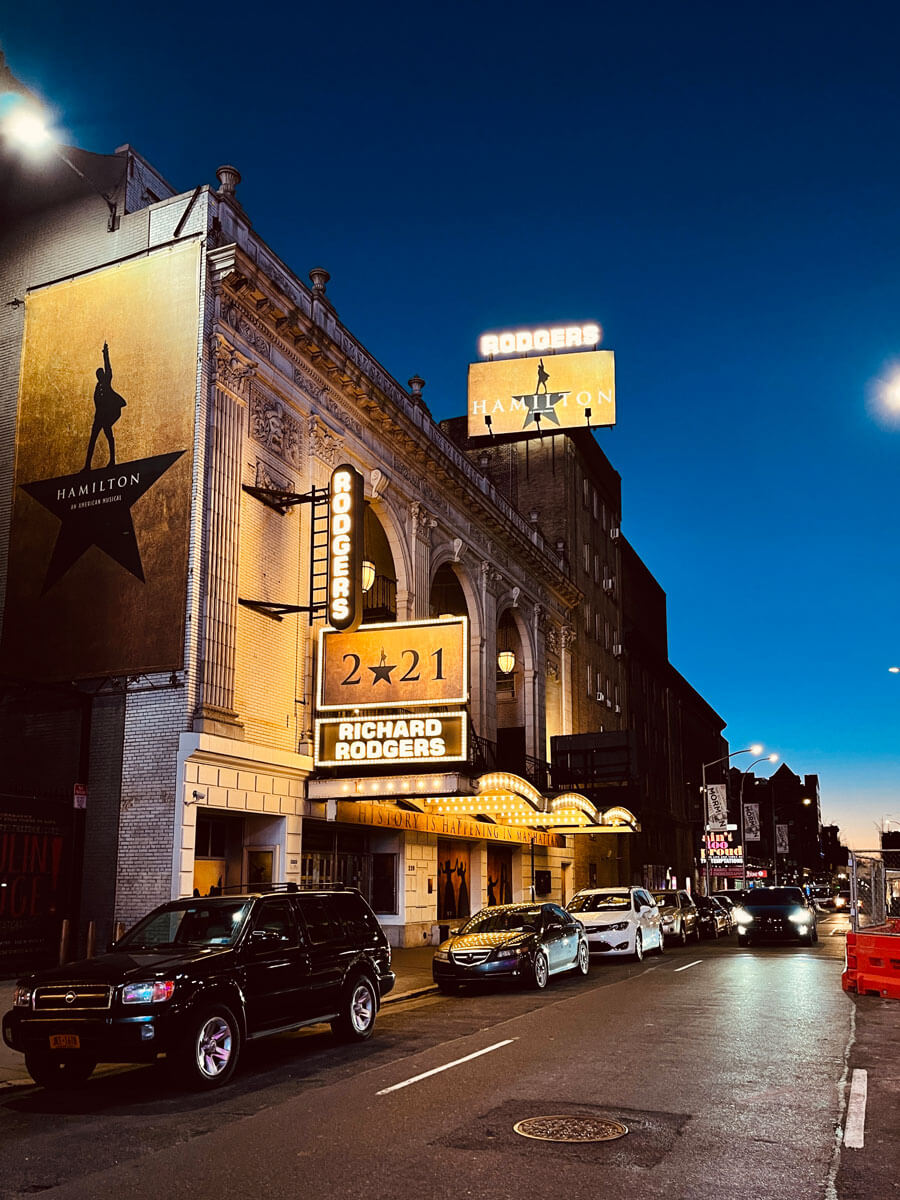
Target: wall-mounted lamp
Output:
[(488, 422), (368, 574), (196, 796), (506, 661)]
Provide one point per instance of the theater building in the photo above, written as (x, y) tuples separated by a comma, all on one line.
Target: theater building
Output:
[(177, 403)]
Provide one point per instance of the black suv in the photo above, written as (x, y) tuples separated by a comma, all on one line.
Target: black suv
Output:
[(195, 978)]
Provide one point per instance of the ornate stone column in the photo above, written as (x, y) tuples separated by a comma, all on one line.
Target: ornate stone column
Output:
[(216, 713), (421, 523)]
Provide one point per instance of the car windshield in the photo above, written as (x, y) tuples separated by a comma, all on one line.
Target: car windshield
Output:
[(760, 897), (199, 924), (503, 920), (599, 902), (665, 898)]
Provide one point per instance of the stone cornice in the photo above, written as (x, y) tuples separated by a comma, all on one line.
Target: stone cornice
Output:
[(309, 335)]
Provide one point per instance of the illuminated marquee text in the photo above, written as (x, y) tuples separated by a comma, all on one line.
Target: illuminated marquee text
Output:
[(524, 341)]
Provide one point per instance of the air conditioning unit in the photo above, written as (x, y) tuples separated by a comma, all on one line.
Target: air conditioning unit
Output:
[(615, 534), (609, 702), (617, 650), (609, 584), (618, 708), (601, 696)]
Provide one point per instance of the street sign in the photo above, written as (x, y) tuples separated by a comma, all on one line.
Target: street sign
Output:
[(79, 796)]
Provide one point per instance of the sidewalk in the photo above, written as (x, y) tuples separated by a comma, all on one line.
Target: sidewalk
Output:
[(412, 967)]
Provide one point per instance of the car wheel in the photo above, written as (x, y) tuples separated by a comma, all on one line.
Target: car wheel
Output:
[(638, 947), (682, 937), (661, 945), (210, 1049), (540, 971), (584, 958), (59, 1072), (697, 932), (358, 1008), (445, 986), (743, 939), (815, 934)]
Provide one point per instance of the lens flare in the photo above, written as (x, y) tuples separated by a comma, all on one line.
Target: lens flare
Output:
[(884, 396)]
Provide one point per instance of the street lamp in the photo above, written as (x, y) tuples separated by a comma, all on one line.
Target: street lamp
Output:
[(756, 748), (772, 758), (24, 122)]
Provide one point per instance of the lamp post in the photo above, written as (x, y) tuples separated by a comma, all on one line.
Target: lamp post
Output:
[(772, 758), (756, 748)]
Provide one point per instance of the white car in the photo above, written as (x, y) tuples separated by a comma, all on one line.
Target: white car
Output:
[(619, 920)]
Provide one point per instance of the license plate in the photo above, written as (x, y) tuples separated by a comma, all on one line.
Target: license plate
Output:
[(65, 1041)]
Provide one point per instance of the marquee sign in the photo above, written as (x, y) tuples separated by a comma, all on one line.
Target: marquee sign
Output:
[(555, 392), (346, 511), (422, 739), (388, 816), (531, 341), (403, 664)]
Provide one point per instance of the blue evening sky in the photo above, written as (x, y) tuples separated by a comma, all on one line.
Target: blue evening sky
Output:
[(715, 183)]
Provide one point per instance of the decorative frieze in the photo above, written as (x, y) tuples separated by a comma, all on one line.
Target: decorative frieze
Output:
[(232, 369), (274, 427), (323, 443)]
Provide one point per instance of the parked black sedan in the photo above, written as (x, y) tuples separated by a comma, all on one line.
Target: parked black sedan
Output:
[(525, 943), (714, 921), (777, 914)]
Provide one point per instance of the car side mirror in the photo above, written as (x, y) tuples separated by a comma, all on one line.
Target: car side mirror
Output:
[(453, 932)]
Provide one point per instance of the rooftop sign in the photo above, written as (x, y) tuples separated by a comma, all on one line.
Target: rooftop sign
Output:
[(533, 395), (531, 341)]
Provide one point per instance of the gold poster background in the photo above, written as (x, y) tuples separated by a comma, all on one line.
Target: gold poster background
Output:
[(98, 618), (492, 386), (397, 640)]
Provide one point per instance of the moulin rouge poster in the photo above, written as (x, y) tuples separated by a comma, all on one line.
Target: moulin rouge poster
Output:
[(104, 438)]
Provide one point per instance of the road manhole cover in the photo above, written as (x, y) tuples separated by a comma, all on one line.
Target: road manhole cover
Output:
[(571, 1129)]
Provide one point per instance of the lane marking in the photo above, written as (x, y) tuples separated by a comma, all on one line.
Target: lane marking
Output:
[(446, 1067), (855, 1125), (696, 963)]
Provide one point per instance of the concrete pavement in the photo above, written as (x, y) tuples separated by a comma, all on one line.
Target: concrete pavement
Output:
[(412, 967)]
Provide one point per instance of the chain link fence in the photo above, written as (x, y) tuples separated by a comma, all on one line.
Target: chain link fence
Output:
[(874, 889)]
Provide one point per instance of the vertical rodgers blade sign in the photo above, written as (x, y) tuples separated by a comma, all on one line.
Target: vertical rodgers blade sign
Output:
[(345, 548), (100, 527)]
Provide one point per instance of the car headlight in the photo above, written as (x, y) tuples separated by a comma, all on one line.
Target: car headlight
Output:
[(512, 952), (742, 917), (668, 922), (441, 956), (154, 991), (618, 925), (800, 918), (839, 902), (22, 997)]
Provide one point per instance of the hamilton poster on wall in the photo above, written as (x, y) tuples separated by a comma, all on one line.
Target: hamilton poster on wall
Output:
[(101, 511)]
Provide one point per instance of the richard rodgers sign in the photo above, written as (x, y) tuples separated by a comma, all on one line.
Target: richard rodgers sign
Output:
[(425, 738)]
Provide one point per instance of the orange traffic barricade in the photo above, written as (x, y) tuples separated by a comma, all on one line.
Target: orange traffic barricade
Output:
[(873, 961)]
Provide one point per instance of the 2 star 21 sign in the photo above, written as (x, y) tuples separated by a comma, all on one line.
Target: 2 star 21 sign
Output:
[(404, 664)]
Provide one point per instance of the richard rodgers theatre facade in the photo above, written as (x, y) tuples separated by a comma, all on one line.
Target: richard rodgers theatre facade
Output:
[(254, 597)]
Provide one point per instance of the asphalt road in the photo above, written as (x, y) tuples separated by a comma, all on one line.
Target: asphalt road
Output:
[(728, 1067)]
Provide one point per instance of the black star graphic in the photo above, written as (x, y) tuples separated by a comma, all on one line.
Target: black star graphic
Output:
[(547, 410), (95, 510), (382, 671)]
